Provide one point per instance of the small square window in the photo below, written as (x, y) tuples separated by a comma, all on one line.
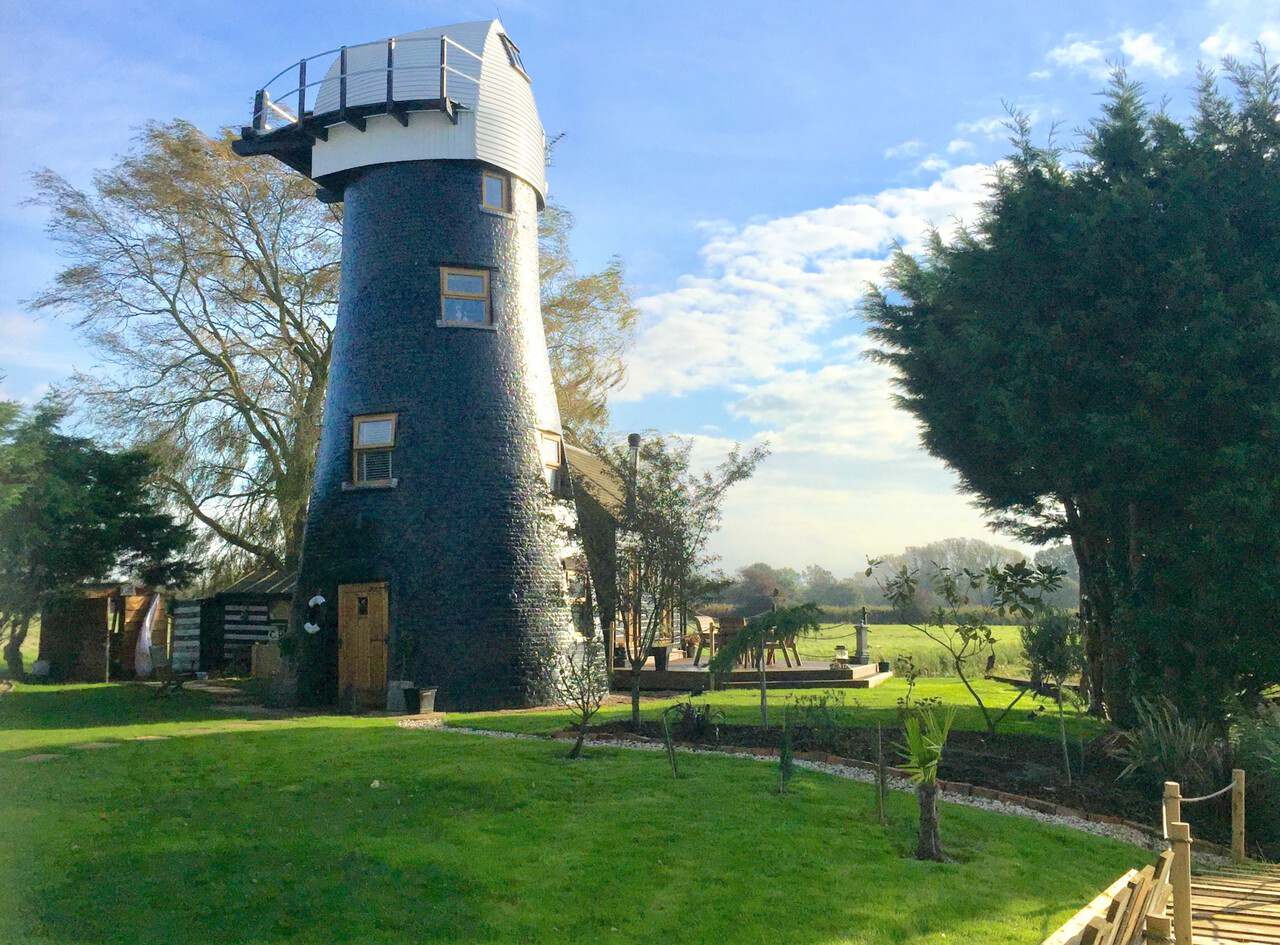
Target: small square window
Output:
[(362, 606), (550, 450), (495, 192), (373, 439), (513, 54), (464, 297)]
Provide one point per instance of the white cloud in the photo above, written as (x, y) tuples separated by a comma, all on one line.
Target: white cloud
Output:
[(1039, 75), (904, 149), (959, 145), (933, 163), (1138, 51), (1231, 39), (994, 126), (1080, 55), (1144, 51), (769, 289), (764, 324)]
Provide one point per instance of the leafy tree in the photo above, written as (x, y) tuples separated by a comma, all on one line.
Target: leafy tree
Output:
[(1015, 592), (1051, 643), (70, 513), (1096, 358), (207, 286), (753, 639), (925, 733), (590, 324), (752, 591), (668, 519)]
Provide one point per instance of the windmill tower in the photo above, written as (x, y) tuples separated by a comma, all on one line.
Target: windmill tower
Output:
[(428, 552)]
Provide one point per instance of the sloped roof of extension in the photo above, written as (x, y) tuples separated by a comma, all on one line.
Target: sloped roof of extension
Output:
[(263, 581), (591, 473)]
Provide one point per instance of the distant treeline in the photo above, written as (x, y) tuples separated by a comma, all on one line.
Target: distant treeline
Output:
[(752, 589)]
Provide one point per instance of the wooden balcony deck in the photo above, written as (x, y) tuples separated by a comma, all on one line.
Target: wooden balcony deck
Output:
[(682, 676), (1236, 905)]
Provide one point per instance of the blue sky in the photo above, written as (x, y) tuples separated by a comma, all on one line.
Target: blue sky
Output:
[(750, 162)]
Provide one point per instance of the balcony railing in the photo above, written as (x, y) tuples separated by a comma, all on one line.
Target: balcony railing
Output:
[(350, 82)]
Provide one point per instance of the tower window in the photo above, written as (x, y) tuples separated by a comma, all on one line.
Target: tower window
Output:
[(373, 438), (549, 446), (495, 191), (513, 54), (464, 297)]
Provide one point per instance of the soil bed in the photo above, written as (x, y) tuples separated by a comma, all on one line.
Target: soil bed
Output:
[(1028, 765)]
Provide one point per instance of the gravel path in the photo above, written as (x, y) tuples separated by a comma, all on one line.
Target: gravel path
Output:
[(1115, 831)]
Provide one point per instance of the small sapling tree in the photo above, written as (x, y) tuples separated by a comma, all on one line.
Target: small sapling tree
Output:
[(577, 680), (774, 625), (926, 734), (1051, 643), (1015, 592)]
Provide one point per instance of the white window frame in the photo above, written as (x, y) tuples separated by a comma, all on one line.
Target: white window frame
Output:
[(357, 449), (483, 296), (513, 55)]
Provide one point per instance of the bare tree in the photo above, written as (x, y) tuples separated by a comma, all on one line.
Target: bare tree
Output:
[(207, 284), (577, 680)]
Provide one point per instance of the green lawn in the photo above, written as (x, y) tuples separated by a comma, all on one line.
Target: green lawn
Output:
[(235, 831), (891, 640), (863, 707)]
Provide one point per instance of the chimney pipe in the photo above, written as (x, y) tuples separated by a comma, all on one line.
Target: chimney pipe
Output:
[(633, 442)]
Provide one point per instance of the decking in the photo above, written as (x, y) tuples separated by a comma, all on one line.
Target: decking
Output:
[(1236, 905), (682, 676)]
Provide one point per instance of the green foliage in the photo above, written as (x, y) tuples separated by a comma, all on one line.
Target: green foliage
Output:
[(74, 513), (1255, 747), (695, 722), (800, 620), (1164, 746), (1054, 654), (1015, 589), (590, 324), (1114, 329), (925, 733), (668, 742)]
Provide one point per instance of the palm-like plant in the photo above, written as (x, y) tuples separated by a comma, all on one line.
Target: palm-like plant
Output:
[(778, 624), (925, 733)]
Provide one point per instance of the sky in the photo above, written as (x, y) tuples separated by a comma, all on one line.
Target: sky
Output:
[(751, 163)]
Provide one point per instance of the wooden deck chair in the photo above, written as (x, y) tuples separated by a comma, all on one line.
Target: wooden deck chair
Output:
[(162, 669)]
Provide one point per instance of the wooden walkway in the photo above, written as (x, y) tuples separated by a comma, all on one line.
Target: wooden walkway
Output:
[(1236, 905)]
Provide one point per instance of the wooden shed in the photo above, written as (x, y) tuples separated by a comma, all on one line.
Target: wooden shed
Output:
[(92, 635), (217, 634)]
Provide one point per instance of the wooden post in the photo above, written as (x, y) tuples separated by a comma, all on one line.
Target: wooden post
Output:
[(1180, 835), (444, 70), (1158, 931), (1237, 815), (302, 90), (1172, 804), (391, 70)]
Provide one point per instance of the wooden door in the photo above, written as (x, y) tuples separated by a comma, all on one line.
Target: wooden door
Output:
[(362, 645)]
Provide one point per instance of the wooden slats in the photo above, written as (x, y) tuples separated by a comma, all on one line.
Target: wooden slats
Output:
[(1236, 906)]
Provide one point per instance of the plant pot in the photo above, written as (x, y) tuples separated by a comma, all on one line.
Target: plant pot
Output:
[(397, 701), (660, 654), (426, 700), (883, 666)]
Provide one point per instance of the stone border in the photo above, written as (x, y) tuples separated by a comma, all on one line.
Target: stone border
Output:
[(854, 769)]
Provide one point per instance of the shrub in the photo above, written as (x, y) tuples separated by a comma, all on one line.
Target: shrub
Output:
[(1163, 746), (1256, 748)]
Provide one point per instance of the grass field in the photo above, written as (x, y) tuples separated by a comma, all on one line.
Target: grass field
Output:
[(862, 707), (239, 831), (891, 640)]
